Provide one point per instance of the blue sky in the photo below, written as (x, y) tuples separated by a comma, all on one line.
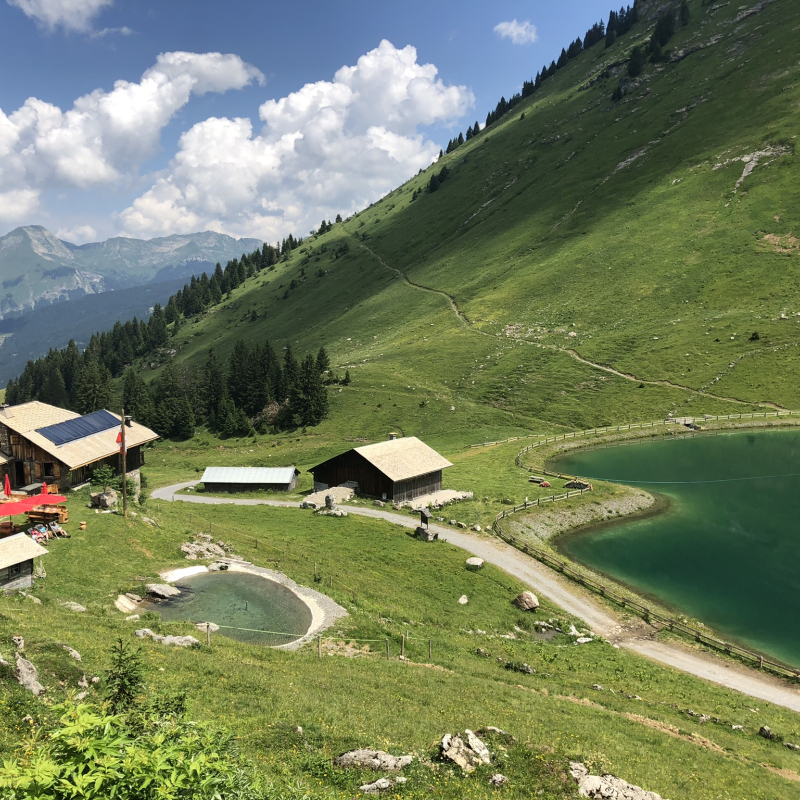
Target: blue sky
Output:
[(237, 116)]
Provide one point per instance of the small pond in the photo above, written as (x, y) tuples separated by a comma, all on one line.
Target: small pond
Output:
[(247, 604), (727, 548)]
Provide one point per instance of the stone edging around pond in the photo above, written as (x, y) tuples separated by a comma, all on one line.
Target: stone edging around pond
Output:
[(324, 611)]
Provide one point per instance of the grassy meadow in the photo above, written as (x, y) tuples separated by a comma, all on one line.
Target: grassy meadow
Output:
[(345, 702)]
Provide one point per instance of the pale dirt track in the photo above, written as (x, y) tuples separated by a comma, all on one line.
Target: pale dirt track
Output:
[(565, 594)]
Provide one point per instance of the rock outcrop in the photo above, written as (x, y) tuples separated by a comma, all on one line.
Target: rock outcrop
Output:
[(377, 760), (73, 606), (177, 641), (27, 675), (162, 590), (465, 750), (607, 787)]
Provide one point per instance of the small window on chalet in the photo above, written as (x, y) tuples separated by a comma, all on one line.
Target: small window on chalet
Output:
[(49, 469), (14, 570)]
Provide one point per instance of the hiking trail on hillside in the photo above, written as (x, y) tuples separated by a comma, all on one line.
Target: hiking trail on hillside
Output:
[(467, 323)]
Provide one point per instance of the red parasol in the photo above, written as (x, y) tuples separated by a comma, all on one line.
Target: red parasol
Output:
[(7, 486), (52, 500), (44, 487), (18, 506)]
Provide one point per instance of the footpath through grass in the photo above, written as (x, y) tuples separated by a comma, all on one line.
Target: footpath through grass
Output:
[(635, 727)]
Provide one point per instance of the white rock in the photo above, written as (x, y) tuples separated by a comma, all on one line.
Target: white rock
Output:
[(73, 653), (463, 600), (377, 760), (124, 604), (72, 606), (474, 563), (177, 641), (583, 640), (27, 675), (162, 590)]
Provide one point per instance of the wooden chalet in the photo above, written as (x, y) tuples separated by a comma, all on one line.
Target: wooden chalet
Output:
[(16, 561), (43, 443), (399, 469), (250, 479)]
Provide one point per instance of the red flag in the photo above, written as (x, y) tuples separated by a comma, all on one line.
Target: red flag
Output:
[(119, 436), (123, 448)]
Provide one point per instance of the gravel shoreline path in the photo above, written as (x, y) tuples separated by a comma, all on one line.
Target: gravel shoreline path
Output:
[(564, 594)]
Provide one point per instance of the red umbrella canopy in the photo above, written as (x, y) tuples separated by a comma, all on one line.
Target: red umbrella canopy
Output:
[(7, 486), (44, 487), (18, 506), (51, 500)]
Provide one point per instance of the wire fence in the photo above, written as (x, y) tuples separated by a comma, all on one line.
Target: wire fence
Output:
[(387, 642)]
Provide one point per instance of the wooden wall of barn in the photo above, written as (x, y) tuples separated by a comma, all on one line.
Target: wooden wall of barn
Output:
[(417, 486), (352, 466)]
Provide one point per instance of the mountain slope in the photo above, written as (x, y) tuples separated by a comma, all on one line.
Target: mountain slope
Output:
[(653, 235), (37, 269)]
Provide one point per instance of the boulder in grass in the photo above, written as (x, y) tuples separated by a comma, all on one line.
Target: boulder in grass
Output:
[(474, 563), (465, 750), (526, 601), (73, 606), (177, 641), (27, 676), (377, 760)]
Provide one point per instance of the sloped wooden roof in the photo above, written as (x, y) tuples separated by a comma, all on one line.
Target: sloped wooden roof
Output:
[(403, 458), (18, 548), (25, 418)]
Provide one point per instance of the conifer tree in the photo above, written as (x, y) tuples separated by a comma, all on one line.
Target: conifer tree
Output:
[(684, 13), (323, 362), (94, 388), (290, 372), (136, 398)]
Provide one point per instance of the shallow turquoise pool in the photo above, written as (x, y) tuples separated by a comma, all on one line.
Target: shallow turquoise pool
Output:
[(246, 607), (727, 549)]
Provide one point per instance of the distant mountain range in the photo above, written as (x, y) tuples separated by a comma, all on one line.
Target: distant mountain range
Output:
[(37, 268)]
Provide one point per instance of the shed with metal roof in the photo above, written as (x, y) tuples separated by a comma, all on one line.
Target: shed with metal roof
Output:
[(399, 469), (250, 479)]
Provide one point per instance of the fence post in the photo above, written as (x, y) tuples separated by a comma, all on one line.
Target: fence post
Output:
[(429, 651), (319, 646), (387, 649), (256, 541), (208, 633), (402, 645)]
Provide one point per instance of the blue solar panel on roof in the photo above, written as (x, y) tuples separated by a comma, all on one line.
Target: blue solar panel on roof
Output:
[(72, 429)]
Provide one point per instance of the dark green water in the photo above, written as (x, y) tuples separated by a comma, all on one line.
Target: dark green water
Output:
[(241, 601), (727, 551)]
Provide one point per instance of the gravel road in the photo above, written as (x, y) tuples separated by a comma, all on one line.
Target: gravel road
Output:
[(563, 593)]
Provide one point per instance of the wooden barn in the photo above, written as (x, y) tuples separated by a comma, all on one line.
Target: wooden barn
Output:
[(16, 561), (398, 469), (250, 479), (43, 443)]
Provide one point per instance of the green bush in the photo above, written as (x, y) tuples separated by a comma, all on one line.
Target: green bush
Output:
[(92, 754)]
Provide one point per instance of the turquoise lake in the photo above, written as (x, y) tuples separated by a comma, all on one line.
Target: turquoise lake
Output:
[(247, 605), (727, 550)]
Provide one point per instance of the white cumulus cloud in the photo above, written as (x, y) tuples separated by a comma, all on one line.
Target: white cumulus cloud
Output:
[(332, 146), (105, 136), (517, 32), (72, 15)]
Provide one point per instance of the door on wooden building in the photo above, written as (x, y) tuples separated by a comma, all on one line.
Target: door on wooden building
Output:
[(19, 473)]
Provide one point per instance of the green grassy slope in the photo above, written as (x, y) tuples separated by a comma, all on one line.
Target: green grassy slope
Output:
[(618, 222)]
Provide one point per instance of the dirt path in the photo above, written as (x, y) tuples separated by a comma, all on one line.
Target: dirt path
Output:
[(563, 593), (628, 376)]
